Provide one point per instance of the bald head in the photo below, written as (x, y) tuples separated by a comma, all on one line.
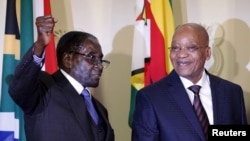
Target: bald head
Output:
[(200, 31)]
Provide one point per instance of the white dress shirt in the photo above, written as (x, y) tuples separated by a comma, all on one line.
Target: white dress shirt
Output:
[(205, 94)]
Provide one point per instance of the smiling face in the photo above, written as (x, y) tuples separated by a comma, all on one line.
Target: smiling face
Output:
[(189, 63)]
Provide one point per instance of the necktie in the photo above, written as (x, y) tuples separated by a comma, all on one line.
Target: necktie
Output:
[(200, 112), (90, 106)]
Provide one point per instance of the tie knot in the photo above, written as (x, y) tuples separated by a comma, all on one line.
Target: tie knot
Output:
[(85, 93), (195, 89)]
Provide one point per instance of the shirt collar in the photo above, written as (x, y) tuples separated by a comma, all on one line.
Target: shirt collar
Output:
[(187, 83), (78, 86)]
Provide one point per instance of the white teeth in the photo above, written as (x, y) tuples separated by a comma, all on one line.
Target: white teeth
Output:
[(183, 64)]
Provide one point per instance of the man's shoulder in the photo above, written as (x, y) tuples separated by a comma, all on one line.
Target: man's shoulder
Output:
[(222, 81)]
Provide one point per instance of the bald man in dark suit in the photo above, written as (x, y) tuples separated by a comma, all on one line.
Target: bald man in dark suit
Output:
[(164, 110)]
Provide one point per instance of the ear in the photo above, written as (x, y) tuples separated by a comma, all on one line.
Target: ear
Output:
[(67, 60), (208, 52)]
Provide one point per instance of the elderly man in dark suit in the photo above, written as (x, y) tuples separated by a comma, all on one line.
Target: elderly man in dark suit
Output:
[(166, 110), (55, 107)]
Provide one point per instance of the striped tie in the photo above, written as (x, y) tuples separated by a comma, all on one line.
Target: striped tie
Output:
[(199, 110), (90, 106)]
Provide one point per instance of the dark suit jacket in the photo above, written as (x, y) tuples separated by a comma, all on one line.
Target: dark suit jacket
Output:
[(53, 110), (164, 112)]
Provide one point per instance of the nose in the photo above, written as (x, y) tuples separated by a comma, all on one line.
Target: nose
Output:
[(98, 63), (183, 52)]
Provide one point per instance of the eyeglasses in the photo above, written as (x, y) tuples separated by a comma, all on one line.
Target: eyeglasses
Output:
[(94, 60), (189, 49)]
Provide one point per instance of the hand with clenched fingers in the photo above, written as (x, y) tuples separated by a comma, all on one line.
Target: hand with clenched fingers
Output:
[(45, 26)]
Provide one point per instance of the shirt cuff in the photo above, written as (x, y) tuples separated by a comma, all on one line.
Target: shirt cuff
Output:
[(38, 60)]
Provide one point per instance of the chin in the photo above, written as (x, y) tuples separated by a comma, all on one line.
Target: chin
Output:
[(95, 85), (184, 74)]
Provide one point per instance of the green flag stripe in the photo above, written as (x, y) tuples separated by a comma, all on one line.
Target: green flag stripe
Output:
[(27, 37)]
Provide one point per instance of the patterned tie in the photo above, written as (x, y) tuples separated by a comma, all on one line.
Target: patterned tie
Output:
[(200, 112), (90, 106)]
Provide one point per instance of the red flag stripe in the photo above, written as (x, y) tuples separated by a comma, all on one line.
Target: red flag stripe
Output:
[(50, 58), (156, 66)]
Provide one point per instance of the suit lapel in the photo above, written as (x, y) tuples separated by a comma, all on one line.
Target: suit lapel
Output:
[(103, 115), (100, 110), (77, 104), (181, 97), (217, 98)]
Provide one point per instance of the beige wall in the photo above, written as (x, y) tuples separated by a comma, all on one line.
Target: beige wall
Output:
[(112, 22)]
